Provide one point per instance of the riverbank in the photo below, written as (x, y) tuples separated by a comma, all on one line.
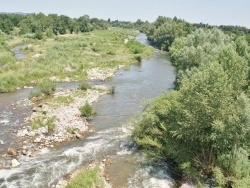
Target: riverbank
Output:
[(71, 58), (53, 122)]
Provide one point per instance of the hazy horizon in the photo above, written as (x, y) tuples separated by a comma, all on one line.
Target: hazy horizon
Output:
[(213, 12)]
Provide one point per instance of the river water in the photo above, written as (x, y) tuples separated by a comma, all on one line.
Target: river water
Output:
[(129, 168)]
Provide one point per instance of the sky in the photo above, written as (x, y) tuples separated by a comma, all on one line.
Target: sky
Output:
[(214, 12)]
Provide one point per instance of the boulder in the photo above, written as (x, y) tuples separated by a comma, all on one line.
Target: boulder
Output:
[(12, 152), (14, 163)]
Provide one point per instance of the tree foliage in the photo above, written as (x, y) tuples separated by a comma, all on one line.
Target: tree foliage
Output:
[(59, 24), (205, 123), (164, 31)]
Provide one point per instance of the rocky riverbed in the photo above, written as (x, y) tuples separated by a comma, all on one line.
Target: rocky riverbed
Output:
[(55, 119)]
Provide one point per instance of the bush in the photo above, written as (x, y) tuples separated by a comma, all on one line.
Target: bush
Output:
[(35, 94), (89, 178), (38, 35), (42, 121), (49, 32), (87, 110), (109, 79), (138, 58), (8, 83), (47, 87), (84, 86), (65, 100), (111, 52), (135, 47), (112, 90), (6, 57)]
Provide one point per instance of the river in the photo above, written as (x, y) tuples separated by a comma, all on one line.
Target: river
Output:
[(129, 168)]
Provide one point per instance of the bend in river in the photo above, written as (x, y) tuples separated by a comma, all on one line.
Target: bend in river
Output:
[(143, 81)]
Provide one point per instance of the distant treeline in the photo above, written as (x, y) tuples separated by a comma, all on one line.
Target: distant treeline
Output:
[(51, 24), (61, 24), (56, 24), (164, 30)]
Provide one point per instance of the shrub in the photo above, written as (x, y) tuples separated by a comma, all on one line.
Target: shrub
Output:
[(65, 100), (47, 87), (6, 57), (42, 121), (111, 52), (50, 123), (135, 47), (49, 32), (8, 83), (87, 110), (109, 79), (88, 178), (138, 58), (82, 44), (35, 94), (112, 90), (84, 86), (38, 35), (71, 130)]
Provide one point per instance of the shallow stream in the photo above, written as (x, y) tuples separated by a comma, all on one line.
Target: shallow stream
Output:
[(128, 168)]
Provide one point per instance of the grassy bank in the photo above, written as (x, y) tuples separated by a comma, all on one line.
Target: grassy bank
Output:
[(69, 57)]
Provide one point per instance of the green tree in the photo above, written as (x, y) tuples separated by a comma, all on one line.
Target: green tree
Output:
[(204, 124), (38, 34)]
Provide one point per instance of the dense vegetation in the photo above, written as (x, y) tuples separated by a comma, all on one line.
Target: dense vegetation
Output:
[(51, 24), (66, 57), (205, 123)]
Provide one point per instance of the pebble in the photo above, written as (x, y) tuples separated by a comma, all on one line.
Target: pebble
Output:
[(24, 152), (12, 152), (14, 163), (78, 135), (37, 140)]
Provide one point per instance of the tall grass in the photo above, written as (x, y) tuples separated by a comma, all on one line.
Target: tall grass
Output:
[(43, 121), (87, 179), (47, 87), (70, 56), (87, 110), (8, 82)]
